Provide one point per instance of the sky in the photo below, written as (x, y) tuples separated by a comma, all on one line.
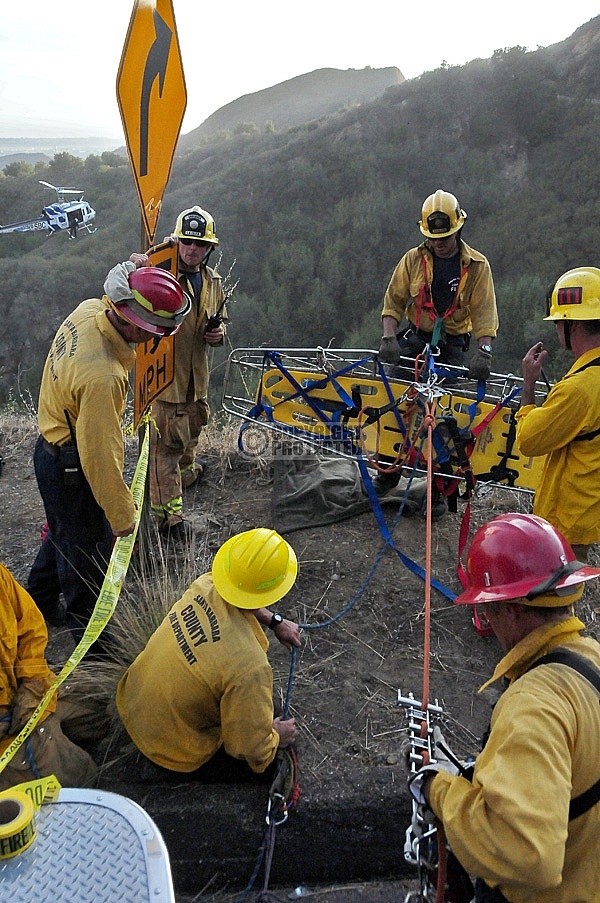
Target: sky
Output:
[(59, 58)]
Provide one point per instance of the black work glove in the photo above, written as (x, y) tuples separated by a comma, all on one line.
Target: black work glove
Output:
[(389, 350), (481, 365)]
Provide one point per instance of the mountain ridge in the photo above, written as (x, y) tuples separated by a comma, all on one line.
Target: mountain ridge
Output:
[(297, 100), (292, 102)]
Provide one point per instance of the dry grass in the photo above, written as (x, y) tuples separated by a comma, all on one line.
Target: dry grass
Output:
[(18, 427)]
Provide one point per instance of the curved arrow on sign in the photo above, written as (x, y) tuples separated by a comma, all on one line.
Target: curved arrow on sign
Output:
[(156, 67)]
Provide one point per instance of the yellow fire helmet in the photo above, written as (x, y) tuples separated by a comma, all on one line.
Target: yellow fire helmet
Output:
[(441, 215), (254, 569), (196, 223), (576, 295)]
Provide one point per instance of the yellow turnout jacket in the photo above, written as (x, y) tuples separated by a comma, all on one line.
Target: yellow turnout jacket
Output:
[(475, 309), (191, 360), (86, 373), (568, 495), (510, 825), (202, 681), (23, 640)]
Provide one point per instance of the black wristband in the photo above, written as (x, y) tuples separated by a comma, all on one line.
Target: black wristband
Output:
[(275, 621)]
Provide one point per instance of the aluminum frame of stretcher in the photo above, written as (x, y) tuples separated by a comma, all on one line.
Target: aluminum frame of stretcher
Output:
[(323, 397)]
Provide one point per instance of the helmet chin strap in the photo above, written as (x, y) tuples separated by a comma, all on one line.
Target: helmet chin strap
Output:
[(567, 334)]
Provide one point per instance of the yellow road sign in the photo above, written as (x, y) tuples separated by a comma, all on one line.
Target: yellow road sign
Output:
[(154, 362), (153, 373), (152, 98)]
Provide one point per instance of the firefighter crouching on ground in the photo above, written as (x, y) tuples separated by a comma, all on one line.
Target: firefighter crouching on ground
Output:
[(214, 700), (79, 453), (26, 678), (528, 823), (445, 290), (566, 427), (182, 409)]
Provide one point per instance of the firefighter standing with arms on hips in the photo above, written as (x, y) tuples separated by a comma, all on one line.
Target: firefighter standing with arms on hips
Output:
[(182, 409), (445, 290), (527, 824), (566, 427), (79, 453)]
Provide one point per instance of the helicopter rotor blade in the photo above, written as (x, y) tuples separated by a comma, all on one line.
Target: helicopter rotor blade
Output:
[(61, 190)]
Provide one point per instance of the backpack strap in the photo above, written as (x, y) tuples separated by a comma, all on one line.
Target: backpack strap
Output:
[(590, 797), (591, 435)]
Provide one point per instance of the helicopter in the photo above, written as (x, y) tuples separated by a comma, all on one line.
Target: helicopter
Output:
[(64, 215)]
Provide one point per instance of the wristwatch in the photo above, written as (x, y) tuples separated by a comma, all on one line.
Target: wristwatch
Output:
[(487, 349), (275, 621)]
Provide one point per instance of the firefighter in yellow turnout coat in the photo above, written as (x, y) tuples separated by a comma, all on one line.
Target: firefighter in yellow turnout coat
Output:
[(24, 680), (216, 685), (182, 409), (79, 453), (528, 823), (445, 290), (566, 427)]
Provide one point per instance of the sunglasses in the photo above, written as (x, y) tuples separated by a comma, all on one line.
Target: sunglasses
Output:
[(195, 241)]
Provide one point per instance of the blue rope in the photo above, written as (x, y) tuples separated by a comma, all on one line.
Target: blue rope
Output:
[(31, 757)]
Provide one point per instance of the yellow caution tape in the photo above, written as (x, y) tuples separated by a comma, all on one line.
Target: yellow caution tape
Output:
[(105, 604), (17, 807), (17, 824), (43, 790)]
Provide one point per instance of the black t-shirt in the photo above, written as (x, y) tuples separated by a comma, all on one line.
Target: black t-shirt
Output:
[(446, 276)]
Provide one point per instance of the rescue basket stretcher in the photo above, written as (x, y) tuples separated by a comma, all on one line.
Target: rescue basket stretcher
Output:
[(344, 402)]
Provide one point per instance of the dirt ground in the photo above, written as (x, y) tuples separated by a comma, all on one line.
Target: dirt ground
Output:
[(361, 608)]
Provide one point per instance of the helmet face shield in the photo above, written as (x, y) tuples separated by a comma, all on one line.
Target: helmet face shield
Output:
[(131, 312)]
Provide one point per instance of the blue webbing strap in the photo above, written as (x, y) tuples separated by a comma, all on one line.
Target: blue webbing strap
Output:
[(385, 532), (337, 432)]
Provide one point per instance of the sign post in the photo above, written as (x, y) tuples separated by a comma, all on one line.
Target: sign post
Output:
[(152, 98)]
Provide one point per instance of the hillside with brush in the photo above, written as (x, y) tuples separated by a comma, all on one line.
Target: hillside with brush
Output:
[(314, 218)]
